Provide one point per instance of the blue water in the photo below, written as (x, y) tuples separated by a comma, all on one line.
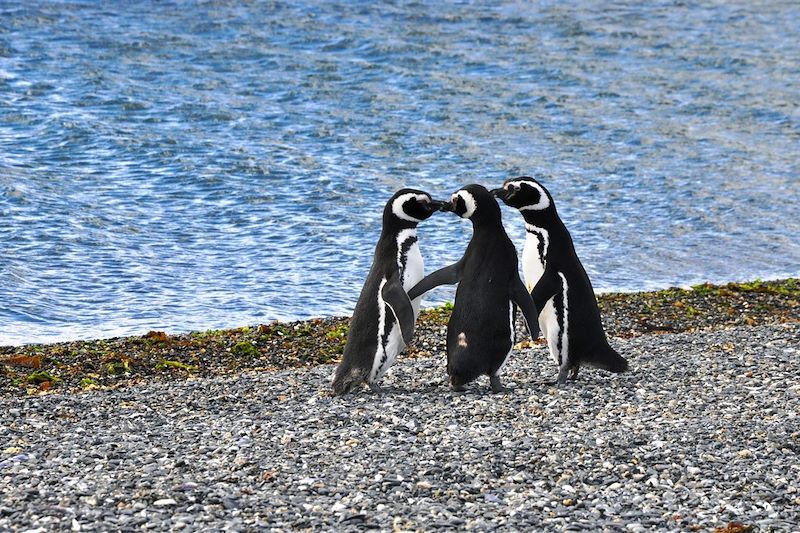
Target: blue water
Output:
[(181, 165)]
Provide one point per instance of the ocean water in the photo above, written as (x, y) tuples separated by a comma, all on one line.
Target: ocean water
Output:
[(181, 165)]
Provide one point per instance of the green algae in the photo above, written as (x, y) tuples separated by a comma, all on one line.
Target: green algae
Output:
[(166, 364)]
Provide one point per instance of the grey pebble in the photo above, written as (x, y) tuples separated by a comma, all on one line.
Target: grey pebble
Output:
[(693, 436)]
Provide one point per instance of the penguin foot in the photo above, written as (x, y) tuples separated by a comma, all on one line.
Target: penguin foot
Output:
[(497, 385), (457, 383), (374, 387), (568, 371)]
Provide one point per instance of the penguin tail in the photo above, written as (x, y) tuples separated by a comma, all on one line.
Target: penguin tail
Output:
[(347, 378), (609, 359)]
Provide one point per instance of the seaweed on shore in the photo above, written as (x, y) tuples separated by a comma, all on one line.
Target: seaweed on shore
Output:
[(85, 365), (701, 307)]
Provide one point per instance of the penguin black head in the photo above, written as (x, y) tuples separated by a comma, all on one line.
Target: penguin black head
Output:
[(409, 207), (475, 203), (526, 194)]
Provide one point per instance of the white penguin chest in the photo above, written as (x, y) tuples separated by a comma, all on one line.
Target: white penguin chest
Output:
[(534, 254), (409, 260), (414, 270)]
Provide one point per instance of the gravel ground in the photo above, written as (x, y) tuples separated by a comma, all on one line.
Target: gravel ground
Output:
[(704, 431)]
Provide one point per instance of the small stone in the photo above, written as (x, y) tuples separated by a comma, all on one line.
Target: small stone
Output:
[(164, 502)]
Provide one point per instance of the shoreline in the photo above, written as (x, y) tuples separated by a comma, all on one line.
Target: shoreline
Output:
[(110, 363)]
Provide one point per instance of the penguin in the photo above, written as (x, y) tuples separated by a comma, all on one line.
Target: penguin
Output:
[(383, 320), (480, 333), (559, 285)]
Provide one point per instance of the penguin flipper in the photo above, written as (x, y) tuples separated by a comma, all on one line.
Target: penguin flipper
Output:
[(400, 305), (523, 300), (448, 275), (547, 286)]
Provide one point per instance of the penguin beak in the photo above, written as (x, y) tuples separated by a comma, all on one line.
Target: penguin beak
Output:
[(435, 205), (499, 193), (447, 206)]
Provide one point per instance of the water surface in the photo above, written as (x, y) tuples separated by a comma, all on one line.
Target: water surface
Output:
[(182, 165)]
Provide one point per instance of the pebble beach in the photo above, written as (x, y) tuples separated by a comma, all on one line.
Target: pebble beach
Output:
[(702, 434), (190, 193)]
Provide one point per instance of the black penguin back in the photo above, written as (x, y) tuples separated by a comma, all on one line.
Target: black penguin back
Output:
[(587, 339), (479, 333), (362, 335)]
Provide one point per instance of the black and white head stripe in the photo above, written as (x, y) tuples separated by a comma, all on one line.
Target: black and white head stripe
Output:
[(544, 200), (468, 201), (399, 203)]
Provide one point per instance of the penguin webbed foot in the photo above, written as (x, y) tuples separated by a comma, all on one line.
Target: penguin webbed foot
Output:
[(457, 384), (497, 385), (374, 387), (567, 373)]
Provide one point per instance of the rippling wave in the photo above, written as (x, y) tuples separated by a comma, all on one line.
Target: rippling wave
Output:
[(181, 165)]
